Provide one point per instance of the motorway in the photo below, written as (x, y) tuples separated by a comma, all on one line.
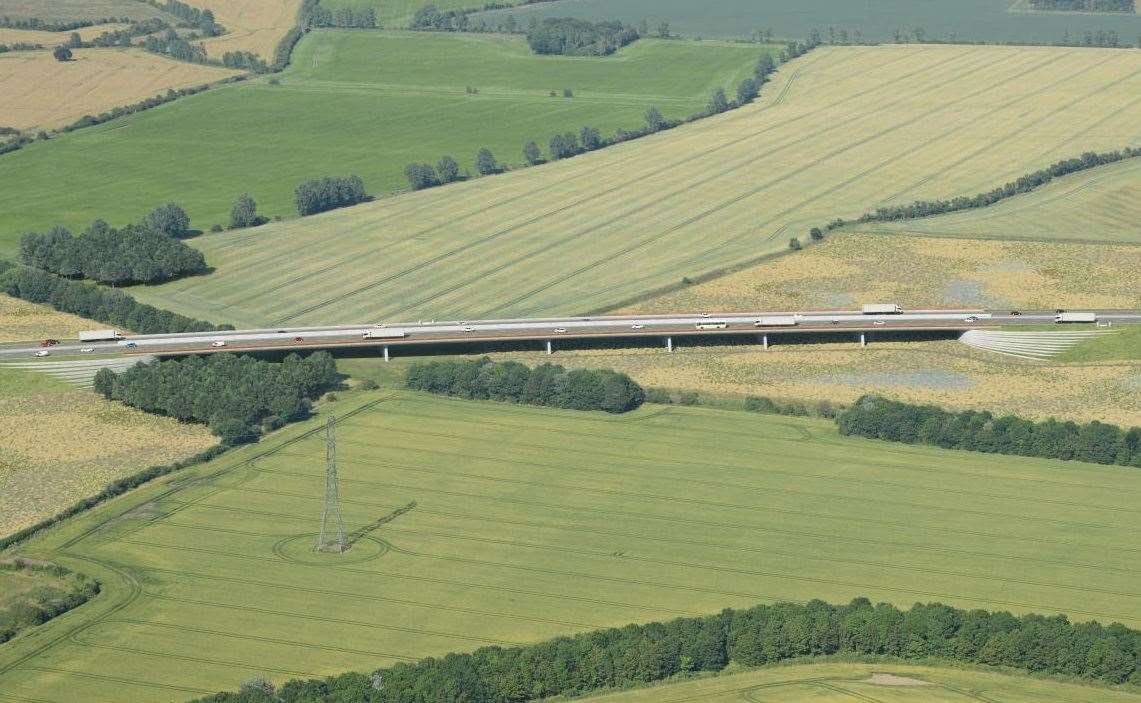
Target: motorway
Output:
[(406, 336)]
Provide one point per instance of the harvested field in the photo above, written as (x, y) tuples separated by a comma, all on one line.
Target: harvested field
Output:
[(847, 683), (252, 25), (1100, 205), (852, 268), (65, 10), (841, 130), (22, 321), (531, 523), (50, 39), (947, 373), (63, 444), (42, 92)]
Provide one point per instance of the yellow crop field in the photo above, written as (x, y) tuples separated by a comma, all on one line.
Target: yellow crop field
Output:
[(839, 131), (252, 25), (848, 269), (50, 39), (1103, 205), (42, 92), (63, 444), (21, 321), (944, 373)]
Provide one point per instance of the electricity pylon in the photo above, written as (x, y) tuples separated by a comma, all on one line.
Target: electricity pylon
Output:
[(332, 536)]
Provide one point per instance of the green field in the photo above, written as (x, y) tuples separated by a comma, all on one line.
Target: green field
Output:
[(534, 522), (351, 102), (398, 13), (66, 10), (1124, 344), (870, 683), (1100, 205), (836, 133), (874, 20)]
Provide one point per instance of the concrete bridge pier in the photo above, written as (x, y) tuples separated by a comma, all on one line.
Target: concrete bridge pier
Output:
[(550, 349), (765, 341), (386, 352), (669, 344), (863, 339)]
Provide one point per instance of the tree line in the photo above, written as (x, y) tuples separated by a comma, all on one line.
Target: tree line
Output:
[(46, 602), (239, 397), (765, 634), (35, 23), (321, 194), (980, 431), (145, 253), (1085, 5), (568, 36), (547, 384), (174, 46), (1024, 184), (198, 19), (343, 17), (170, 95), (113, 307)]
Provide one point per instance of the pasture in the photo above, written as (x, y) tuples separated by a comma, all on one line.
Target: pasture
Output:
[(1100, 205), (871, 20), (43, 93), (532, 522), (882, 683), (351, 102), (251, 25), (398, 13), (838, 132)]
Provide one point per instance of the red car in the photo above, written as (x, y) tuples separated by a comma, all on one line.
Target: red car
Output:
[(49, 342)]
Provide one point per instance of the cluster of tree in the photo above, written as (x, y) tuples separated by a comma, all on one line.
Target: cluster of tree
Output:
[(62, 53), (512, 382), (640, 654), (169, 96), (761, 404), (41, 604), (14, 143), (343, 17), (245, 213), (239, 397), (191, 16), (132, 254), (321, 194), (1085, 5), (121, 37), (424, 175), (38, 24), (245, 60), (20, 46), (1025, 184), (879, 418), (432, 18), (795, 49), (1107, 38), (113, 307), (568, 36), (174, 46), (844, 36)]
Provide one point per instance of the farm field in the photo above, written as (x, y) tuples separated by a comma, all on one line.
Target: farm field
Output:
[(529, 523), (398, 13), (848, 269), (351, 102), (874, 20), (882, 683), (1102, 205), (94, 81), (252, 25), (50, 39), (44, 468), (21, 321), (839, 132), (64, 10)]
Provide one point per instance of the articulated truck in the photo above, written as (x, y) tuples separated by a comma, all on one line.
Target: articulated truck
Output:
[(99, 336), (1075, 317), (384, 334), (777, 321), (881, 309)]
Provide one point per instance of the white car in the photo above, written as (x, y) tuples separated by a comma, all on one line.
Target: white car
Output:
[(87, 350), (219, 343), (42, 352), (637, 326), (879, 322), (560, 330), (705, 314), (971, 319), (468, 328)]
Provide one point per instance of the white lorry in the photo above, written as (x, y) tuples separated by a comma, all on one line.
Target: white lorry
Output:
[(1075, 317), (99, 336), (777, 321), (881, 309), (379, 333)]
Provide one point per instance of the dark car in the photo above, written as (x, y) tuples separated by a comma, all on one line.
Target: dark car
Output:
[(49, 342), (1015, 313)]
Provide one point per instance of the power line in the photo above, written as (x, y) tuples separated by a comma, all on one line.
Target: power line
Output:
[(332, 535)]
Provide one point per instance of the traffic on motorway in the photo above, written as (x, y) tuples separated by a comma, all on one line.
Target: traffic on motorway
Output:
[(870, 318)]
